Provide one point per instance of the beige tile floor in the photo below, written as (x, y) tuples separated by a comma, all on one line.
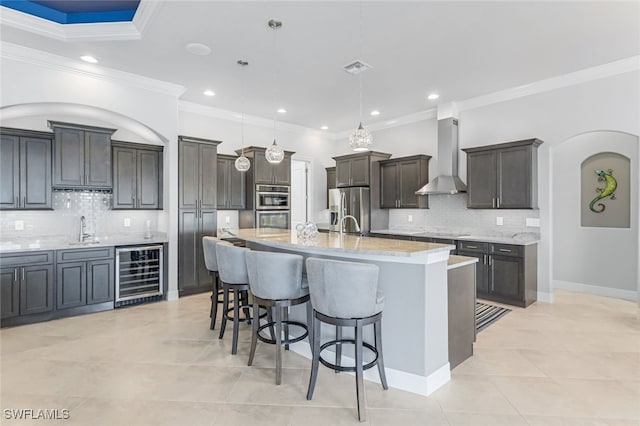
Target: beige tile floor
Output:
[(574, 362)]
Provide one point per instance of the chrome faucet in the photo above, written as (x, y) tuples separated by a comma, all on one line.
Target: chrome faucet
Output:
[(347, 217), (83, 227)]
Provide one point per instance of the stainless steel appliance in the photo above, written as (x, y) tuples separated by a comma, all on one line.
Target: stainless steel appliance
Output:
[(273, 219), (352, 201), (273, 197), (139, 274)]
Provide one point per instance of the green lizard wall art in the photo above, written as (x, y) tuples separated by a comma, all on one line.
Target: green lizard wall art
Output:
[(610, 185)]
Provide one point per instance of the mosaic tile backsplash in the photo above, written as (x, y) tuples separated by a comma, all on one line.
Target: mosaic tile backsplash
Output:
[(64, 220)]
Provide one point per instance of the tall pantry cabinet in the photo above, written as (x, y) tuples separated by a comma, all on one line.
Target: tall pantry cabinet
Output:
[(197, 212)]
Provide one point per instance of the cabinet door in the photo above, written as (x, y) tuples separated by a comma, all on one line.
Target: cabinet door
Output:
[(208, 220), (9, 292), (124, 178), (36, 289), (481, 180), (100, 281), (482, 279), (389, 186), (514, 178), (148, 177), (69, 162), (331, 181), (208, 162), (506, 277), (360, 171), (409, 182), (188, 175), (71, 285), (9, 172), (97, 160), (264, 169), (35, 173), (343, 173), (222, 184), (237, 195), (282, 172), (188, 232)]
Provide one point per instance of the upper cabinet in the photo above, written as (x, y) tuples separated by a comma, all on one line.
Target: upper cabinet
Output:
[(503, 176), (357, 170), (400, 178), (263, 172), (137, 176), (231, 184), (197, 188), (25, 169), (331, 181), (82, 156)]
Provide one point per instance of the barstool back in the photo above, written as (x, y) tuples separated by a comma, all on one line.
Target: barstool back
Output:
[(344, 289), (209, 250), (275, 276), (232, 263)]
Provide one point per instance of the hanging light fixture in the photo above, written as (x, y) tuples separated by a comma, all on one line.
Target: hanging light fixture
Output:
[(275, 153), (361, 138), (242, 163)]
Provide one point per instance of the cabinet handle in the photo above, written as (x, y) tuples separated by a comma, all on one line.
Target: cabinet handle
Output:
[(24, 201), (133, 201), (493, 203), (484, 259), (498, 202), (505, 250), (22, 274), (17, 201), (470, 246), (490, 262), (15, 274)]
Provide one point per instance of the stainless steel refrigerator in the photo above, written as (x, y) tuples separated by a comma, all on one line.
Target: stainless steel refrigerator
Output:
[(352, 201)]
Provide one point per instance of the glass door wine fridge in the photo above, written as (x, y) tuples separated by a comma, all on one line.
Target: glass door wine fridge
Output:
[(139, 274)]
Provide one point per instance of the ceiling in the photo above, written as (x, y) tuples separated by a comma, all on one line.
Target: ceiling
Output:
[(76, 11), (459, 50)]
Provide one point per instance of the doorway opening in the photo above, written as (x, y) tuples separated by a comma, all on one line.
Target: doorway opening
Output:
[(300, 209)]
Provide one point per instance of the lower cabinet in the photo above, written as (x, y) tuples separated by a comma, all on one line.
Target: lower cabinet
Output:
[(26, 284), (193, 224), (84, 277)]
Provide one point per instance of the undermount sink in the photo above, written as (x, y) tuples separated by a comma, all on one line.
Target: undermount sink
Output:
[(83, 243)]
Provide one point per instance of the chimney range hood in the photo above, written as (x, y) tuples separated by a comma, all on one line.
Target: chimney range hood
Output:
[(447, 181)]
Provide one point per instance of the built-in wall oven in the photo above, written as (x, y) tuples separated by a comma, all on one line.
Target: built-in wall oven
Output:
[(272, 197), (273, 219), (139, 274)]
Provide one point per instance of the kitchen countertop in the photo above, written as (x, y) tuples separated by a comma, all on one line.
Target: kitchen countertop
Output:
[(456, 261), (520, 238), (65, 242)]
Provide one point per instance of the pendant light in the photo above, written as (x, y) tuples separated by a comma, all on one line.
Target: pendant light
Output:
[(274, 154), (361, 138), (242, 163)]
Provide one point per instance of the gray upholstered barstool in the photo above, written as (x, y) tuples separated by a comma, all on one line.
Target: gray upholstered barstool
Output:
[(276, 283), (232, 267), (345, 294), (211, 262)]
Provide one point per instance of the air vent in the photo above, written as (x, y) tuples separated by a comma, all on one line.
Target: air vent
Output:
[(356, 67)]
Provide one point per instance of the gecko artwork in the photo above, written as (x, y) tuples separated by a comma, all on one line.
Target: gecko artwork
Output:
[(609, 190)]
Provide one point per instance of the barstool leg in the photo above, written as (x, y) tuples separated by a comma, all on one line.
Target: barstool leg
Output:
[(225, 308), (359, 374), (310, 324), (285, 318), (338, 346), (315, 323), (254, 333), (214, 301), (377, 329), (278, 344), (270, 321), (236, 321), (245, 302)]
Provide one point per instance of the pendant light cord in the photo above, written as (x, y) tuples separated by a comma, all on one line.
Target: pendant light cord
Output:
[(360, 41), (243, 64), (275, 81)]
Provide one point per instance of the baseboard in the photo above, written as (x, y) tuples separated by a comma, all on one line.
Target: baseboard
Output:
[(597, 290), (173, 295), (397, 379), (543, 296)]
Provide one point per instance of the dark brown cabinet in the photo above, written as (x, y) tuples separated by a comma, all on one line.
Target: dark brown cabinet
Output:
[(231, 184), (353, 171), (503, 176), (137, 176), (197, 214), (25, 170), (84, 277), (264, 172), (27, 284), (331, 181), (82, 156), (400, 178)]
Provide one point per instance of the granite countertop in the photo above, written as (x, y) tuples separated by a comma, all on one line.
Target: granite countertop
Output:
[(65, 242), (456, 261), (347, 242), (520, 238)]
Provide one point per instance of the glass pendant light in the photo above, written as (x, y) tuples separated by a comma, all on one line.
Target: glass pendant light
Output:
[(361, 138), (274, 154), (242, 163)]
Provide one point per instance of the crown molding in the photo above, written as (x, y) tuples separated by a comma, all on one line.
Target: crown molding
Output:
[(102, 31), (571, 79), (395, 122), (60, 63)]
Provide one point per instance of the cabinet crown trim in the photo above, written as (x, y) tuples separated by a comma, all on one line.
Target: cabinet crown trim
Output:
[(10, 131), (136, 145), (55, 124), (408, 158), (535, 142), (182, 138), (363, 154)]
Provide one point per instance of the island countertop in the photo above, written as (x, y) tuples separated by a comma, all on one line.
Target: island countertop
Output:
[(346, 243)]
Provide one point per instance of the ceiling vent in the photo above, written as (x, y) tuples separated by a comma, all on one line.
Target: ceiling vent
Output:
[(356, 67)]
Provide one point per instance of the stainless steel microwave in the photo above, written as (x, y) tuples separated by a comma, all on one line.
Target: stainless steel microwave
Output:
[(273, 197)]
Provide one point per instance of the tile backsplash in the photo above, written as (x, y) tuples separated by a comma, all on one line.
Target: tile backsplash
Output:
[(450, 211), (68, 207)]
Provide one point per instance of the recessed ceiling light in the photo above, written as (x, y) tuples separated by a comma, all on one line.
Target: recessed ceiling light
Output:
[(282, 111), (198, 49), (375, 112), (209, 93), (90, 59), (324, 128), (433, 96)]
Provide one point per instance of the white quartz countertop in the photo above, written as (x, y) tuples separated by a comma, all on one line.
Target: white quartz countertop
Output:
[(521, 238), (456, 261), (66, 242)]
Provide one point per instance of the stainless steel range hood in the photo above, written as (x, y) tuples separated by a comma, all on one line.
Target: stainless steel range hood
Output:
[(447, 181)]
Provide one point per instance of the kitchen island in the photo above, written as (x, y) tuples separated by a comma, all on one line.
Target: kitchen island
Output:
[(413, 278)]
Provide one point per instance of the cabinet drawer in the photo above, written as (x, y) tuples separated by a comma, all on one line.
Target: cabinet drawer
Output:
[(507, 250), (474, 246), (84, 254), (26, 259)]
